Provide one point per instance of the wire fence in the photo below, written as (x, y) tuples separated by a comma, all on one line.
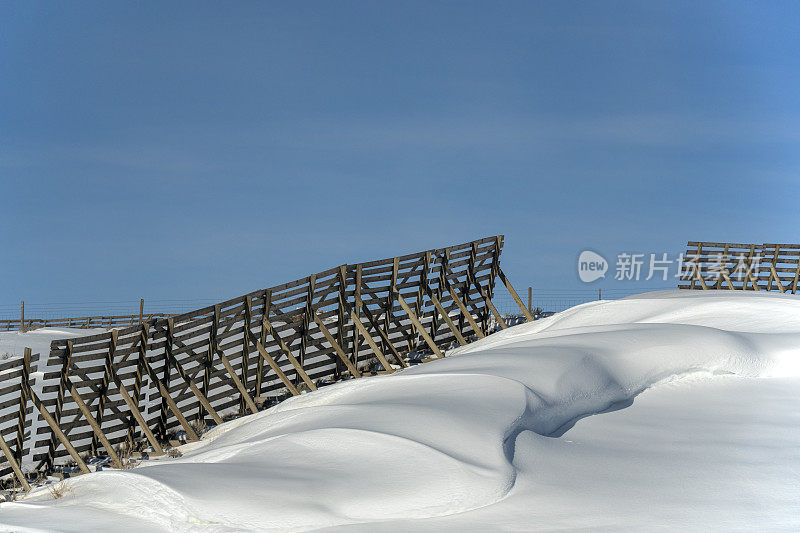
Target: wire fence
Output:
[(555, 300), (548, 300)]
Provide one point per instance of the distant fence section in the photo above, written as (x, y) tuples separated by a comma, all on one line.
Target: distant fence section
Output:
[(168, 376), (84, 322), (738, 266)]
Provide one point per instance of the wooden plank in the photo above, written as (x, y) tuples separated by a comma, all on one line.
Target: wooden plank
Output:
[(275, 366), (338, 349), (418, 325), (260, 366), (357, 306), (14, 466), (446, 316), (699, 277), (245, 371), (297, 366), (95, 427), (377, 351), (384, 336), (491, 307), (59, 434), (465, 312), (507, 283), (134, 409), (24, 395), (775, 254), (232, 374), (58, 404), (190, 382), (166, 397)]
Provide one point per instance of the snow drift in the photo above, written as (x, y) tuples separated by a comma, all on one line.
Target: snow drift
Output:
[(440, 439)]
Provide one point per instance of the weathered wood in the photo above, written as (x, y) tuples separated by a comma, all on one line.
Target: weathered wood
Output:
[(418, 325), (775, 255), (24, 396), (490, 305), (245, 374), (377, 351), (275, 366), (137, 380), (357, 307), (14, 466), (514, 295), (446, 316), (260, 365), (338, 349), (58, 433), (166, 398), (95, 427), (330, 298), (465, 313), (190, 382), (384, 336), (232, 374), (295, 363), (137, 415), (59, 404)]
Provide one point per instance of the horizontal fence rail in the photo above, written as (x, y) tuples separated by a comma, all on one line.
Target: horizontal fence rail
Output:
[(739, 266), (166, 378)]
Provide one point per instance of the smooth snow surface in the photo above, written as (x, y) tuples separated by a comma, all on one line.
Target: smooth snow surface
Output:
[(494, 438)]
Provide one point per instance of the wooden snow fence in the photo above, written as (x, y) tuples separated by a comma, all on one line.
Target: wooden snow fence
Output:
[(162, 380), (741, 266)]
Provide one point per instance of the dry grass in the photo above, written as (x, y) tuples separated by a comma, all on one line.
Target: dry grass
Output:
[(174, 452), (60, 489)]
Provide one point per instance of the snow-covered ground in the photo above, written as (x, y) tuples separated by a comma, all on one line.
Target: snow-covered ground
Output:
[(697, 427), (13, 343)]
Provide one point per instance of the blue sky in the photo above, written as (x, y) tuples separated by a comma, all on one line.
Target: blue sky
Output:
[(203, 150)]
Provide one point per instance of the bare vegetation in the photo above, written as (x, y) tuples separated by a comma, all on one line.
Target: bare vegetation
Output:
[(60, 489)]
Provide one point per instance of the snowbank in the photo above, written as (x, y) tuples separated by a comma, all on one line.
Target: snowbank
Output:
[(460, 437)]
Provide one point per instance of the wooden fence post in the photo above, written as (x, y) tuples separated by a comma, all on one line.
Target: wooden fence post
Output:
[(307, 319), (377, 351), (102, 393), (338, 349), (141, 310), (418, 325), (245, 371), (263, 334), (137, 382), (514, 294), (15, 459), (385, 341), (98, 432), (209, 362), (357, 308), (301, 373), (232, 374), (59, 435), (271, 362), (341, 318), (24, 396), (59, 403), (530, 300), (14, 466), (446, 317), (163, 383)]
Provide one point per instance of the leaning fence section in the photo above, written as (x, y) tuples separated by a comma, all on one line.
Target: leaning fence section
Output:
[(741, 266), (166, 378)]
